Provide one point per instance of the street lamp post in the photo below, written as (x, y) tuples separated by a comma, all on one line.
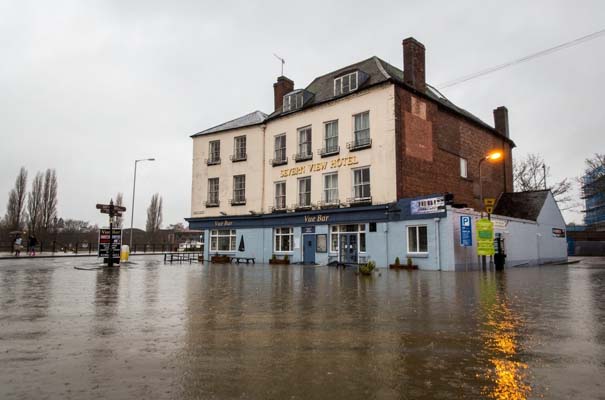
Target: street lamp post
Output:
[(134, 185), (493, 156)]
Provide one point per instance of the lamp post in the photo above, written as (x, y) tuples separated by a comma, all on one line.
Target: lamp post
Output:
[(134, 185), (493, 157)]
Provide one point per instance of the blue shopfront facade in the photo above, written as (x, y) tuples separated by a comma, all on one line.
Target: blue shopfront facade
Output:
[(380, 233)]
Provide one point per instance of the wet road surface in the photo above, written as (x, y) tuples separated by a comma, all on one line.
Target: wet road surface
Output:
[(151, 330)]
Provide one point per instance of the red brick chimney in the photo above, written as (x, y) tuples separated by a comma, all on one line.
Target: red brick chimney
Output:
[(501, 120), (413, 64), (282, 87)]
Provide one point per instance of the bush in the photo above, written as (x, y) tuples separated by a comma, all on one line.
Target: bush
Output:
[(410, 262), (397, 262), (286, 258), (367, 268), (274, 257)]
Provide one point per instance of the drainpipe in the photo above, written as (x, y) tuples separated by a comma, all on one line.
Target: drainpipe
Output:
[(438, 242), (262, 192)]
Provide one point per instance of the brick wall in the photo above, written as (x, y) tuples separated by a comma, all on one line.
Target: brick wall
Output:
[(430, 141)]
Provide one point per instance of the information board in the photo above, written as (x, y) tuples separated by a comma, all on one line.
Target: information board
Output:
[(107, 238), (485, 237), (466, 231)]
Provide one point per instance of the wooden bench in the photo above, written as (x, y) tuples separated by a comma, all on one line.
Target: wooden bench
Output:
[(242, 259)]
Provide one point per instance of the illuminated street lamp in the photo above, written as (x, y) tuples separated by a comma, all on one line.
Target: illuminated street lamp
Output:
[(492, 156), (134, 184)]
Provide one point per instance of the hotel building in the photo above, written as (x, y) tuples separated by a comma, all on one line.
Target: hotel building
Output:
[(363, 163)]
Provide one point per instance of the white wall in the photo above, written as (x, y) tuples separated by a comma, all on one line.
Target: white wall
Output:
[(551, 248), (380, 157)]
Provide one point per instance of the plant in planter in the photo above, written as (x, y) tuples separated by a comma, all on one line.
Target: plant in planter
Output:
[(275, 260), (367, 268), (220, 259), (397, 264), (410, 264)]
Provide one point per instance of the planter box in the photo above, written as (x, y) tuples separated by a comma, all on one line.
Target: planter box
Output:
[(279, 261), (403, 266), (220, 259)]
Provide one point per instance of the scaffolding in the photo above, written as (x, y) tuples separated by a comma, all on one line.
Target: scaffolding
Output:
[(593, 194)]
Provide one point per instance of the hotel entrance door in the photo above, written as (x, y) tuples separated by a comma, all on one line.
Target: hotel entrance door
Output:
[(348, 248)]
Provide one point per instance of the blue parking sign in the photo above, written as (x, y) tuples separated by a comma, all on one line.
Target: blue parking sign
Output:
[(466, 233)]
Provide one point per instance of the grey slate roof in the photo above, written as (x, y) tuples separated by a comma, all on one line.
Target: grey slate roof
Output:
[(379, 71), (254, 118), (523, 205)]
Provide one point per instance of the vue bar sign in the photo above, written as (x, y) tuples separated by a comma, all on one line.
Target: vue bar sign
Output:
[(485, 237), (466, 231)]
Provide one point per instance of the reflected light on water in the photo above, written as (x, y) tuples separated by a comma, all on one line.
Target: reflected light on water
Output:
[(507, 375)]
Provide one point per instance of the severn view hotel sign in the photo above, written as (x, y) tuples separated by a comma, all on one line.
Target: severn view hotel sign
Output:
[(320, 166)]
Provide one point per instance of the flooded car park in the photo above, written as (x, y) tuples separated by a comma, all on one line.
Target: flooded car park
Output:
[(259, 331)]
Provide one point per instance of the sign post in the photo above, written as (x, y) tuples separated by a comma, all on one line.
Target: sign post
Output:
[(466, 234), (110, 239), (485, 237)]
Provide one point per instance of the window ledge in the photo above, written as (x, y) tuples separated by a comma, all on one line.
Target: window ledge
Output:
[(417, 255)]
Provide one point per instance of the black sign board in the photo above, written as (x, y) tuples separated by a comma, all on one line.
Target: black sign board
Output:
[(109, 238)]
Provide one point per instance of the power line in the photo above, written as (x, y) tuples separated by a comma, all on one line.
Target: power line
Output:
[(551, 50)]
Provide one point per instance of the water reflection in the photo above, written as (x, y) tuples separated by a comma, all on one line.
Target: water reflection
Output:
[(508, 375)]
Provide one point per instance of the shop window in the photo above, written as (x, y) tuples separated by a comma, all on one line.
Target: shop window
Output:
[(283, 239), (222, 240), (417, 239), (337, 230)]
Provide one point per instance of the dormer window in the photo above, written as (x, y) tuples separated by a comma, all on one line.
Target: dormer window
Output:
[(293, 101), (346, 83)]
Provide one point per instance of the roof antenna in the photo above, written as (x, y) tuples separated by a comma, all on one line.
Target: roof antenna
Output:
[(282, 63)]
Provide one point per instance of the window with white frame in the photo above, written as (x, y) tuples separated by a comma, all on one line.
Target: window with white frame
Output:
[(280, 147), (213, 191), (304, 141), (239, 150), (361, 183), (463, 167), (293, 101), (283, 239), (362, 128), (336, 230), (331, 136), (346, 83), (214, 151), (222, 240), (239, 188), (331, 188), (304, 191), (280, 195), (417, 239)]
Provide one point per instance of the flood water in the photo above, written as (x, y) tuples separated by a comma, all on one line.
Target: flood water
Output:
[(195, 331)]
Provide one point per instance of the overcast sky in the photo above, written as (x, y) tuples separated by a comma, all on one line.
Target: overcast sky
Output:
[(87, 87)]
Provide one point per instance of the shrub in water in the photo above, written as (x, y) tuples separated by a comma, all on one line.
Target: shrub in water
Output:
[(367, 268)]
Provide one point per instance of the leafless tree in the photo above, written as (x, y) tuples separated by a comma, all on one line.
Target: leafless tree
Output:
[(16, 202), (531, 173), (119, 202), (49, 199), (35, 204), (154, 215)]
